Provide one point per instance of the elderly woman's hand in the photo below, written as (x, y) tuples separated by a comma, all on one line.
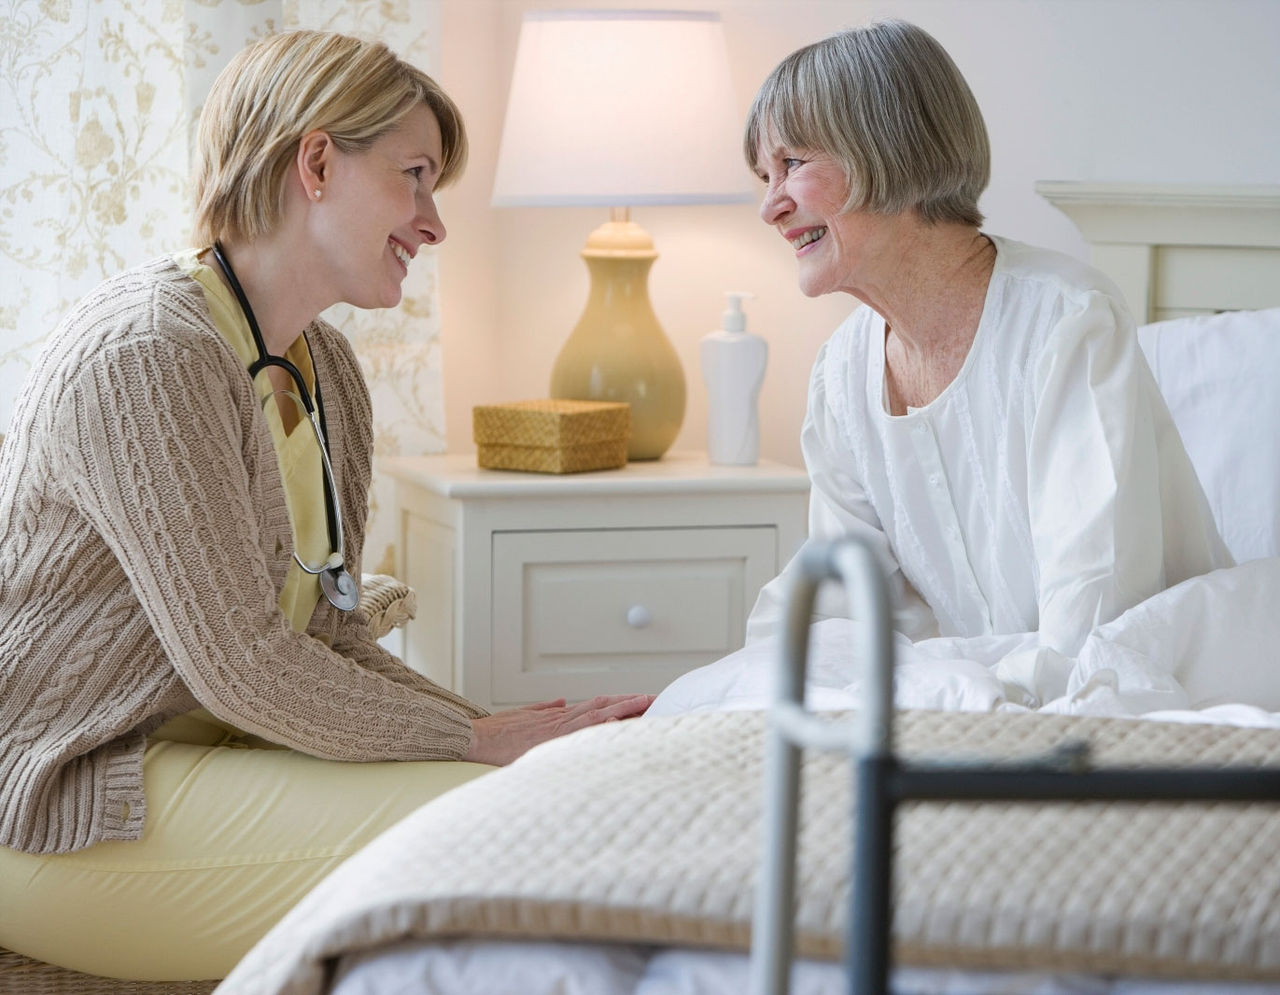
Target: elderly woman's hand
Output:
[(503, 736)]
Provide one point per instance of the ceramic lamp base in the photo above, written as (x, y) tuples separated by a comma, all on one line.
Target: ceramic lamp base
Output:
[(618, 351)]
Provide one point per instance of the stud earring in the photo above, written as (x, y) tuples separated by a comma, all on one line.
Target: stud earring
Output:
[(317, 194)]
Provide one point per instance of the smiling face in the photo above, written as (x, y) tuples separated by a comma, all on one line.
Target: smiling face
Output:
[(377, 209), (805, 199)]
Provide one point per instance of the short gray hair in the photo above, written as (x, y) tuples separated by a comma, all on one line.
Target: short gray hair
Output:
[(889, 105)]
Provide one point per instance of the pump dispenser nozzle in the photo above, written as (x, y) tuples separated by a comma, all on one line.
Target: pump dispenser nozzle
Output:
[(733, 319)]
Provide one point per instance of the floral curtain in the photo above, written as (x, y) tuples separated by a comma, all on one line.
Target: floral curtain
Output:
[(98, 105)]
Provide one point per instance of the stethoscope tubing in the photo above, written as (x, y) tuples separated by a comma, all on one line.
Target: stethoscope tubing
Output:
[(341, 589)]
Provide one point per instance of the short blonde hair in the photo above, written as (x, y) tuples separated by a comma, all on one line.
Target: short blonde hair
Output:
[(886, 102), (283, 87)]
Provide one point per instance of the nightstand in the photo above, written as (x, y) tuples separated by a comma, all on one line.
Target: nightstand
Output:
[(535, 586)]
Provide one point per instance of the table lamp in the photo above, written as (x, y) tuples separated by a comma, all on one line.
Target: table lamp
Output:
[(618, 109)]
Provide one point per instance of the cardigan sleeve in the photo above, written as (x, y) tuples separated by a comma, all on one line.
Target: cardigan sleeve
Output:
[(157, 445)]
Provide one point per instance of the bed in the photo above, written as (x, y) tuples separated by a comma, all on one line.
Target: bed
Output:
[(624, 858)]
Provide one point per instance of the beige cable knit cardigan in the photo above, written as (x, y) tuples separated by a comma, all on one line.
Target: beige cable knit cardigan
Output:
[(144, 540)]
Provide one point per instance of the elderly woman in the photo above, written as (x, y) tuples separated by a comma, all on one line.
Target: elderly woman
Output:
[(986, 420), (194, 726)]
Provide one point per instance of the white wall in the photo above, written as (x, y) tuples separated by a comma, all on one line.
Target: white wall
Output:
[(1105, 90)]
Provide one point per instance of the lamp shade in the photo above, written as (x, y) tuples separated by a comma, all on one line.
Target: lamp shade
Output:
[(618, 108)]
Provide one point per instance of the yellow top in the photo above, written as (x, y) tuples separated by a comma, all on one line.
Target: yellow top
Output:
[(296, 449)]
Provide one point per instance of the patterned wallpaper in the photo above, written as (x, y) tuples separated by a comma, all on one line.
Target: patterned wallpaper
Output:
[(98, 104)]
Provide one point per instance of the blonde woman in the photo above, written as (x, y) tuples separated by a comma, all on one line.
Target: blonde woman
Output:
[(194, 725)]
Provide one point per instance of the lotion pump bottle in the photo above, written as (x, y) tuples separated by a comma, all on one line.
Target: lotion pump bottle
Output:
[(733, 362)]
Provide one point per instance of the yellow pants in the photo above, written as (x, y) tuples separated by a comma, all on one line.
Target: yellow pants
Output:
[(235, 835)]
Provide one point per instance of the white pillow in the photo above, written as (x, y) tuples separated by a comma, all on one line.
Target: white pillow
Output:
[(1220, 375)]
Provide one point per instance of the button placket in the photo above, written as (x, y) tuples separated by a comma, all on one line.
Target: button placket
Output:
[(944, 507)]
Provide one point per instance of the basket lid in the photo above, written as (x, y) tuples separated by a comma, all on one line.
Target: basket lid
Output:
[(551, 422)]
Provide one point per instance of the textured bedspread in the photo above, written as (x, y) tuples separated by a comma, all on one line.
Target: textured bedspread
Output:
[(647, 830)]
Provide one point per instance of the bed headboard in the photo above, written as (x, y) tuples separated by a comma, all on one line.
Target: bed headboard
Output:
[(1175, 249)]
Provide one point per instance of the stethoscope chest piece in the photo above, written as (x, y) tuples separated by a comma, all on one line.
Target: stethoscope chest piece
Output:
[(340, 588)]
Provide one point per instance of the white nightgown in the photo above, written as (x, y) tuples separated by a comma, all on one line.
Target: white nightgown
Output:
[(1044, 490)]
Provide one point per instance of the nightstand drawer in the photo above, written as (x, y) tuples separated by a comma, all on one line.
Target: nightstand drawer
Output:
[(578, 613)]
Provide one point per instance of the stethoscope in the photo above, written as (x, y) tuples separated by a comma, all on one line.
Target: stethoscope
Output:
[(337, 584)]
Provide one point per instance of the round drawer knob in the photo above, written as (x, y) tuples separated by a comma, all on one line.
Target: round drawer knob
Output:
[(638, 616)]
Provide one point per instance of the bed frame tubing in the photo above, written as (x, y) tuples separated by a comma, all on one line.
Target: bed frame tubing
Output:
[(882, 782)]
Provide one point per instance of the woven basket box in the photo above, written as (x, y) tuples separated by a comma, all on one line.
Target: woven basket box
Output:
[(551, 436)]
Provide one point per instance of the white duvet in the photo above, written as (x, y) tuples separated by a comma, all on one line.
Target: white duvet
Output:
[(1206, 650), (468, 967)]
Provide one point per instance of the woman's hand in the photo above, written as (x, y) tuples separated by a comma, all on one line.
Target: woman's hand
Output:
[(503, 736)]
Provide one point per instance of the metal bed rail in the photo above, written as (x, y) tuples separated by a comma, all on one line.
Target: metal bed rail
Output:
[(882, 782)]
